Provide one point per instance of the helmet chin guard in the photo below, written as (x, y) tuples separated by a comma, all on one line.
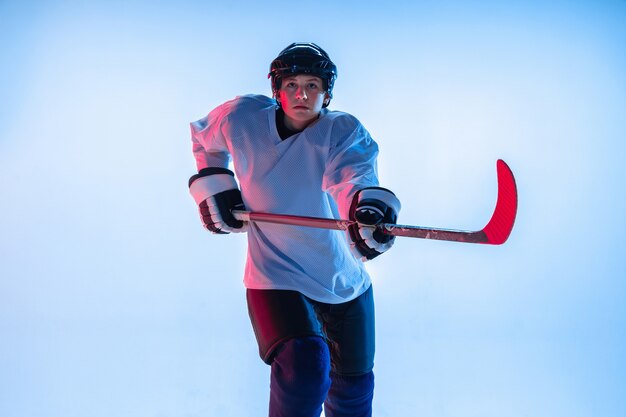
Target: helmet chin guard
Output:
[(303, 58)]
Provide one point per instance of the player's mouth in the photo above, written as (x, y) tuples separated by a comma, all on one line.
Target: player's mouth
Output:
[(300, 107)]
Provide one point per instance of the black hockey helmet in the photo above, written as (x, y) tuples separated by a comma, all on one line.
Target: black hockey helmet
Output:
[(303, 58)]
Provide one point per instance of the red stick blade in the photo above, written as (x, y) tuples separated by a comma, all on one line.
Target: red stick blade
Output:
[(499, 227)]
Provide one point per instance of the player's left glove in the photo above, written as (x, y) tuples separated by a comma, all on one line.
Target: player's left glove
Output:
[(372, 206)]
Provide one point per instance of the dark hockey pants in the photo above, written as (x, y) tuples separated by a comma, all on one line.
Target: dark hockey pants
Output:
[(320, 353), (301, 381)]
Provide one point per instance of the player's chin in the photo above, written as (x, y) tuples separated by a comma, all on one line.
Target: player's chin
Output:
[(302, 114), (306, 113)]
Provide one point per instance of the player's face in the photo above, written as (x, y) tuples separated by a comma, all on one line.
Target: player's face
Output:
[(302, 97)]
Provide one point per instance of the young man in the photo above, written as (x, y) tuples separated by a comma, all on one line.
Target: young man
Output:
[(309, 296)]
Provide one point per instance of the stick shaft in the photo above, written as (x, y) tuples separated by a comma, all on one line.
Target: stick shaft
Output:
[(341, 224)]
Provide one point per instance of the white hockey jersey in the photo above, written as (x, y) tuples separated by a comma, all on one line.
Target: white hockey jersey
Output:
[(313, 173)]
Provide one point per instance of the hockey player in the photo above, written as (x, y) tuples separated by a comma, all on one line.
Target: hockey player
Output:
[(309, 296)]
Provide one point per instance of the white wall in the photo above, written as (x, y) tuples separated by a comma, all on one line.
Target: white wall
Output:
[(115, 302)]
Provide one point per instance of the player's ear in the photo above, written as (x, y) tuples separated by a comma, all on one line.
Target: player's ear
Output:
[(326, 99)]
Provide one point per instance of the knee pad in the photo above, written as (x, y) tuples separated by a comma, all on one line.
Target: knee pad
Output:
[(304, 365)]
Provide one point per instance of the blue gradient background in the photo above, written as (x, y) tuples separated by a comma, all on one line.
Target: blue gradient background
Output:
[(114, 302)]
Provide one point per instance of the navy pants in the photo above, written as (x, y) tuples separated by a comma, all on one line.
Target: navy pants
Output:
[(319, 353)]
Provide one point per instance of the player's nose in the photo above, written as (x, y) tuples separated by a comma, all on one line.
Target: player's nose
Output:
[(301, 93)]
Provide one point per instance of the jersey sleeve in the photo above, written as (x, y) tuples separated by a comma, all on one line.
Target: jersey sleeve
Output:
[(351, 162), (208, 141)]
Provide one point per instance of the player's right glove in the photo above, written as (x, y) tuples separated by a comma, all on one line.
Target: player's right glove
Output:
[(216, 193), (372, 206)]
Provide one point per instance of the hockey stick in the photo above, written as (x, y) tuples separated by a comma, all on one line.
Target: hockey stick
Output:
[(496, 232)]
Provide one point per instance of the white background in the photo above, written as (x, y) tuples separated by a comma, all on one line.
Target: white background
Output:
[(115, 302)]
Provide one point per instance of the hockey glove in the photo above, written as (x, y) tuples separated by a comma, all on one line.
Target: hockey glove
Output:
[(372, 206), (216, 193)]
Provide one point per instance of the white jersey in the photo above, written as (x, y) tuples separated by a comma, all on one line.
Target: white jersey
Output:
[(313, 173)]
